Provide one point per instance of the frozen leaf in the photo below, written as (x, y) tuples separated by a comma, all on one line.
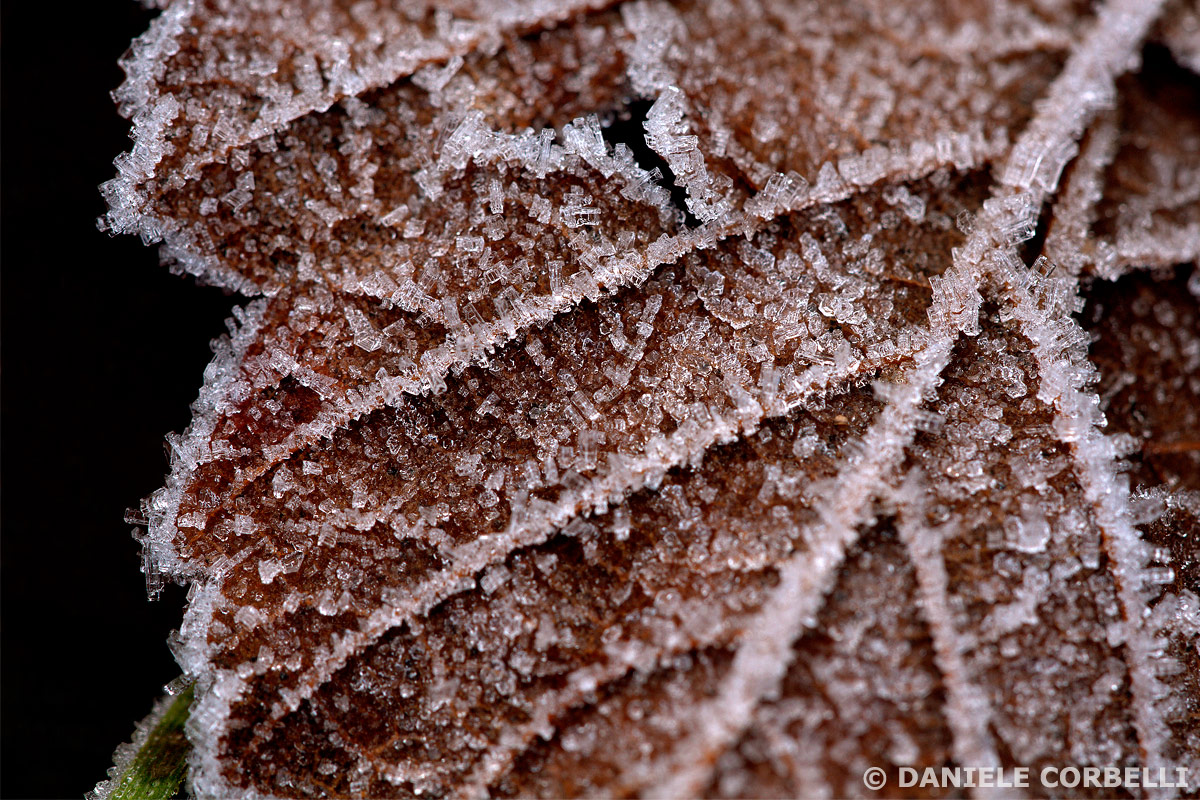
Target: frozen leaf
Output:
[(677, 399)]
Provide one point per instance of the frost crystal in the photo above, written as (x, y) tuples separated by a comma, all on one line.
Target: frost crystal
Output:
[(678, 399)]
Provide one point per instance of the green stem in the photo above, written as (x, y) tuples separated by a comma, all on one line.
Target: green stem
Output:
[(157, 770)]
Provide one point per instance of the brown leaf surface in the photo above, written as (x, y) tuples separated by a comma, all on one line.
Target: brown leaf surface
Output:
[(678, 399)]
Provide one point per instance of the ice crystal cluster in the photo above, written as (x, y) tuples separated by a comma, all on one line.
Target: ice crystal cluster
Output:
[(678, 399)]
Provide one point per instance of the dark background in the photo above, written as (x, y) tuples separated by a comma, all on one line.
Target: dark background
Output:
[(103, 350)]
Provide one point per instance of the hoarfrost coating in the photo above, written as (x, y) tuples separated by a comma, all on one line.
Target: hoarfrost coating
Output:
[(678, 399)]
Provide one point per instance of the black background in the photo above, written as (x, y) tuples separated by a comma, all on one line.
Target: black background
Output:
[(103, 350)]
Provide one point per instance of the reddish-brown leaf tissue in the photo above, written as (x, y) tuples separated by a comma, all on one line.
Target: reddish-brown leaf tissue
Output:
[(679, 399)]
